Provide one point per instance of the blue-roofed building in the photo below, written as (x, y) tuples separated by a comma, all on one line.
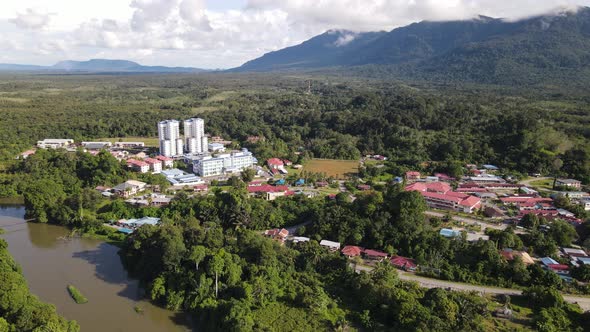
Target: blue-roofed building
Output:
[(491, 167), (398, 179), (125, 230), (584, 260), (548, 261), (300, 182), (280, 182), (450, 233)]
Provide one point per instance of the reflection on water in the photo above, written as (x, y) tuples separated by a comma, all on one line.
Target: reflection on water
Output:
[(50, 263)]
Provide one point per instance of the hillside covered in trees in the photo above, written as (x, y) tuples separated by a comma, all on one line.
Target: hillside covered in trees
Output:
[(539, 50)]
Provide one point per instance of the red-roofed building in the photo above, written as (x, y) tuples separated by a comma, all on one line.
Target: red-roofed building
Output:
[(524, 199), (404, 263), (374, 254), (269, 192), (138, 166), (287, 162), (559, 268), (166, 161), (412, 175), (27, 153), (155, 164), (436, 187), (352, 251), (444, 177), (277, 234), (201, 188), (274, 163)]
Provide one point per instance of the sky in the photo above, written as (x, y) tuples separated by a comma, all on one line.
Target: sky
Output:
[(214, 33)]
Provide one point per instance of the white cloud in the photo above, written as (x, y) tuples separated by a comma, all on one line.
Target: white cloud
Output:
[(32, 19), (187, 33)]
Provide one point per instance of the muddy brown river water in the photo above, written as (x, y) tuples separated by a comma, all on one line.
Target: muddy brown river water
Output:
[(49, 264)]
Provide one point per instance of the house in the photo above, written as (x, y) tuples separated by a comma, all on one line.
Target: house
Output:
[(27, 153), (404, 263), (274, 163), (569, 183), (412, 175), (352, 251), (444, 177), (136, 223), (374, 254), (321, 184), (277, 234), (363, 187), (269, 192), (155, 164), (573, 252), (298, 239), (129, 188), (287, 162), (450, 233), (331, 245), (299, 182), (201, 188), (138, 166), (166, 161)]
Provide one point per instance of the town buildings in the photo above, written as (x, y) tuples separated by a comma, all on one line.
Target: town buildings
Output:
[(439, 195), (170, 141), (569, 183)]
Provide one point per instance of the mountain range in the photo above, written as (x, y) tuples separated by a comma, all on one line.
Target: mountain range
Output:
[(484, 50), (548, 49), (100, 66)]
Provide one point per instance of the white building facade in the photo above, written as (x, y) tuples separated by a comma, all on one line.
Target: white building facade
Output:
[(224, 163), (170, 141), (194, 136)]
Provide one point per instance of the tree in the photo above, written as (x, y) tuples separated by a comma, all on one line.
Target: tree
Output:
[(197, 255), (581, 272), (248, 174), (216, 265)]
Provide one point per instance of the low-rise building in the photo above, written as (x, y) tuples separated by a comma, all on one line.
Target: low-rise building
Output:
[(55, 143), (352, 251), (331, 245), (569, 183), (232, 162), (412, 175), (403, 263), (96, 145), (374, 255), (129, 145), (450, 233), (129, 188), (216, 147), (179, 178), (167, 162), (138, 165), (154, 164)]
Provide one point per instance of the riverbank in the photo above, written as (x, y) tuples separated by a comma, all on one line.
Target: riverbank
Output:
[(51, 260)]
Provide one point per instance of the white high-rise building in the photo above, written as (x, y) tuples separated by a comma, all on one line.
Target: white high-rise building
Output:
[(194, 132), (170, 141)]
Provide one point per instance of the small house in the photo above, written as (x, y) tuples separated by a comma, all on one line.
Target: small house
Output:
[(352, 251), (403, 263), (374, 255), (331, 245)]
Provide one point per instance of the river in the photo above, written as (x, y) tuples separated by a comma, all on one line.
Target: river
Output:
[(93, 266)]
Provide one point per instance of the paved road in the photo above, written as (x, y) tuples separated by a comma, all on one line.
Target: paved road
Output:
[(582, 301), (466, 220)]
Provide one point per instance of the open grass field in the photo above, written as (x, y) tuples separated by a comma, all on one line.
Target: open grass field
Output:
[(149, 141), (339, 169), (544, 183)]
